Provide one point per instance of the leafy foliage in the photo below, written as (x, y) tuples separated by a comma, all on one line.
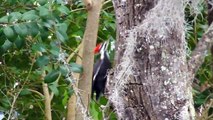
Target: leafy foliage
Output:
[(33, 34)]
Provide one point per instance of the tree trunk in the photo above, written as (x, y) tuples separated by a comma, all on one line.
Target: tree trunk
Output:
[(89, 42), (151, 80)]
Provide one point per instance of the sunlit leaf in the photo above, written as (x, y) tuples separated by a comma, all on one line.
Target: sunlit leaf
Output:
[(65, 98)]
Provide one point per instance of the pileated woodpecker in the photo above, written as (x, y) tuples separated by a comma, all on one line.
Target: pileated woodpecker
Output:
[(100, 70)]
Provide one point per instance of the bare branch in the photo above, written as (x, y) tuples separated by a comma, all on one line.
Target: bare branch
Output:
[(47, 98), (36, 92), (71, 107), (201, 50), (74, 53), (89, 42)]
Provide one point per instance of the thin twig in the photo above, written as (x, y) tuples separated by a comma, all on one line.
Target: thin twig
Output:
[(34, 91), (12, 106), (106, 2), (74, 53)]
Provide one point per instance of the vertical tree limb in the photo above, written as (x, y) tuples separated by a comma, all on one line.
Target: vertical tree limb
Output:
[(47, 99), (88, 4), (71, 109), (89, 42)]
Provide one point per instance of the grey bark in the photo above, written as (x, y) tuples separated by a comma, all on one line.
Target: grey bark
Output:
[(151, 79)]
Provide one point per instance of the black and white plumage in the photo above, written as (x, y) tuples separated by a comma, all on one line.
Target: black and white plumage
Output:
[(100, 70)]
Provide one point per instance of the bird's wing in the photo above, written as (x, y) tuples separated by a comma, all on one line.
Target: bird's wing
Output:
[(97, 68)]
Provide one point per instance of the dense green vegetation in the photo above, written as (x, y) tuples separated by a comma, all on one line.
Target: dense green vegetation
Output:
[(38, 35)]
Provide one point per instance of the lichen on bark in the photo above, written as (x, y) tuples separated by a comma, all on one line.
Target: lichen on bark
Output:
[(150, 80)]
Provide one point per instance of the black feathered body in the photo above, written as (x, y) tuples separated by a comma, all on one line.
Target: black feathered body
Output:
[(101, 68)]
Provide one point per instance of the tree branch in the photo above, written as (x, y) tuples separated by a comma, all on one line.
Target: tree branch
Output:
[(198, 55), (36, 92), (47, 98), (74, 53), (71, 107), (88, 4), (89, 42)]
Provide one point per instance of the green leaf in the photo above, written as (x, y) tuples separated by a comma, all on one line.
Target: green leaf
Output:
[(14, 16), (4, 19), (2, 41), (60, 1), (62, 27), (42, 2), (5, 102), (70, 91), (52, 76), (199, 101), (63, 69), (8, 31), (7, 45), (21, 29), (39, 47), (49, 23), (65, 98), (19, 42), (33, 28), (30, 15), (55, 50), (43, 11), (95, 111), (61, 31), (54, 88), (42, 61), (25, 92), (76, 68), (60, 36), (63, 9)]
